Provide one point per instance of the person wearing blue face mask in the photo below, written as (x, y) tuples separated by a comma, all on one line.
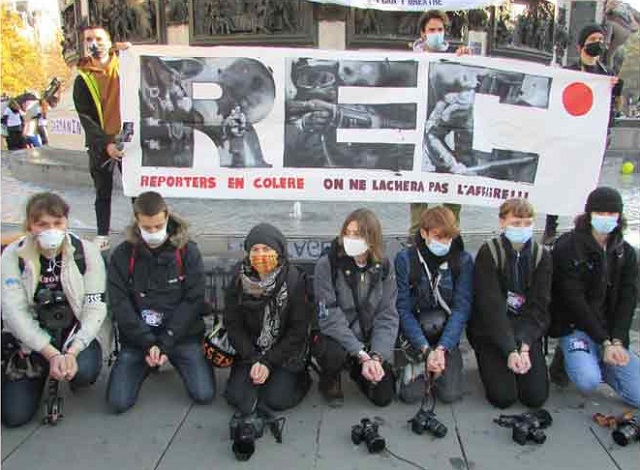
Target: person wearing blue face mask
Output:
[(595, 292), (435, 282), (512, 290), (432, 25)]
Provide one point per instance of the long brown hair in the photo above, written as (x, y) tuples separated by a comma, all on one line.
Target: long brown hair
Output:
[(46, 203), (369, 228)]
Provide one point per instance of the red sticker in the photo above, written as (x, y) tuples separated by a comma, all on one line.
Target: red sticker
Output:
[(577, 99)]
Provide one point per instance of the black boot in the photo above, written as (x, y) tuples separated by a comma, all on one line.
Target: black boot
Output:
[(557, 372), (331, 389)]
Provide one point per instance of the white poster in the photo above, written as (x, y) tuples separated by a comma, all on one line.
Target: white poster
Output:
[(308, 124), (414, 5)]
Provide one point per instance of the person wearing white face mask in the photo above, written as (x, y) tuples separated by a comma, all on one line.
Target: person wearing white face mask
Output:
[(355, 289), (595, 293), (49, 266), (512, 289), (435, 290), (156, 294)]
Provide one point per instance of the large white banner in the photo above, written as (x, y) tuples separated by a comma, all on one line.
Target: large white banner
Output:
[(414, 5), (296, 124)]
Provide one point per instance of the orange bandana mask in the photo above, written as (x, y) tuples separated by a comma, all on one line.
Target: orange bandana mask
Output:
[(264, 263)]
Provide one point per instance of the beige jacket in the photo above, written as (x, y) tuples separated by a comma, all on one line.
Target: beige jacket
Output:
[(85, 294)]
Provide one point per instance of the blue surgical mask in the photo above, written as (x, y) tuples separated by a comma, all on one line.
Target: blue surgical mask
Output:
[(604, 223), (437, 248), (435, 41), (518, 234)]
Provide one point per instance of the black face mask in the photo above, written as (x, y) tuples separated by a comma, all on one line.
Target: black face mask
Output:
[(594, 49)]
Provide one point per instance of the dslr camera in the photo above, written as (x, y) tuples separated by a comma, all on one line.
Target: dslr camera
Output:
[(244, 430), (54, 313), (527, 426), (367, 432), (425, 420), (627, 431)]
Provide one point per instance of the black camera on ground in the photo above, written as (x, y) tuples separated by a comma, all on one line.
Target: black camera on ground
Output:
[(244, 430), (627, 431), (527, 426), (426, 421), (54, 312), (367, 432)]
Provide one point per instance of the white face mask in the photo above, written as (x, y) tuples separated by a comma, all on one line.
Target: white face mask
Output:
[(154, 238), (354, 246), (51, 239)]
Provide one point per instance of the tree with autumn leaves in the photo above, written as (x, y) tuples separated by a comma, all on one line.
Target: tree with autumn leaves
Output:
[(25, 67)]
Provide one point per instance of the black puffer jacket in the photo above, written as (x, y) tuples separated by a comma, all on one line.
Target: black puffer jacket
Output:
[(244, 315), (159, 284), (593, 290)]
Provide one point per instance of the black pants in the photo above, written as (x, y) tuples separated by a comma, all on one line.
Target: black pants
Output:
[(102, 176), (501, 386), (332, 358), (283, 389), (20, 398), (448, 387)]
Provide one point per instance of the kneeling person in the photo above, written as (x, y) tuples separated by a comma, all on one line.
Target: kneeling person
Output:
[(267, 318), (49, 273), (512, 289), (355, 288), (435, 290), (156, 293)]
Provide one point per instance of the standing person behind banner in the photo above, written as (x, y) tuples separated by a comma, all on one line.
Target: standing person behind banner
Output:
[(49, 267), (435, 291), (96, 96), (13, 120), (42, 122), (512, 288), (156, 294), (591, 48), (355, 288), (595, 293), (268, 320), (432, 26)]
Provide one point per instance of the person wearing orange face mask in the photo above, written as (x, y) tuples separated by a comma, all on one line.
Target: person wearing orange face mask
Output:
[(267, 319)]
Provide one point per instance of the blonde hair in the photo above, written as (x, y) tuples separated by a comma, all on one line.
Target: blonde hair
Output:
[(369, 228), (518, 207), (441, 218)]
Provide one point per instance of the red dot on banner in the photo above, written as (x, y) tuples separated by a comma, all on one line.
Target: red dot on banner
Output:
[(577, 99)]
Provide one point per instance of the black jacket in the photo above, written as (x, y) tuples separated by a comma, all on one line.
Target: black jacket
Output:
[(96, 139), (490, 319), (244, 315), (585, 297), (157, 284)]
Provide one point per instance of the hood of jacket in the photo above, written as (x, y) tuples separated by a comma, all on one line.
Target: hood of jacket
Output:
[(177, 229)]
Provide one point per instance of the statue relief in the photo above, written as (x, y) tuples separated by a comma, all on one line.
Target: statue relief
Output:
[(126, 20)]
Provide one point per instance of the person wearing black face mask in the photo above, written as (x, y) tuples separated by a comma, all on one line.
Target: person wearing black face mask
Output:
[(591, 48)]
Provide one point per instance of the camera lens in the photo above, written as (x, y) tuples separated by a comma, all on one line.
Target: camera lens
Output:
[(376, 445), (520, 433), (243, 450), (625, 434)]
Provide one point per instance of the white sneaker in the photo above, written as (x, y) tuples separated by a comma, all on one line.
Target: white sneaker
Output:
[(102, 242)]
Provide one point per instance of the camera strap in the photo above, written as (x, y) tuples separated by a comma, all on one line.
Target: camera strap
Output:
[(429, 398)]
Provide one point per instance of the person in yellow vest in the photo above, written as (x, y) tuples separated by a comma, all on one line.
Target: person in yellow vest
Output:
[(96, 96)]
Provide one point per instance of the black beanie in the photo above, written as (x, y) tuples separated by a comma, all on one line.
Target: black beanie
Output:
[(267, 234), (604, 199), (587, 31)]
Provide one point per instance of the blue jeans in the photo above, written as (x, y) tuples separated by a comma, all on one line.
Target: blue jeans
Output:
[(584, 366), (20, 398), (131, 369)]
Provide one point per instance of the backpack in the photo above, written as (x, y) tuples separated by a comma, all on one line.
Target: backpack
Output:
[(500, 256), (78, 255), (179, 253)]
